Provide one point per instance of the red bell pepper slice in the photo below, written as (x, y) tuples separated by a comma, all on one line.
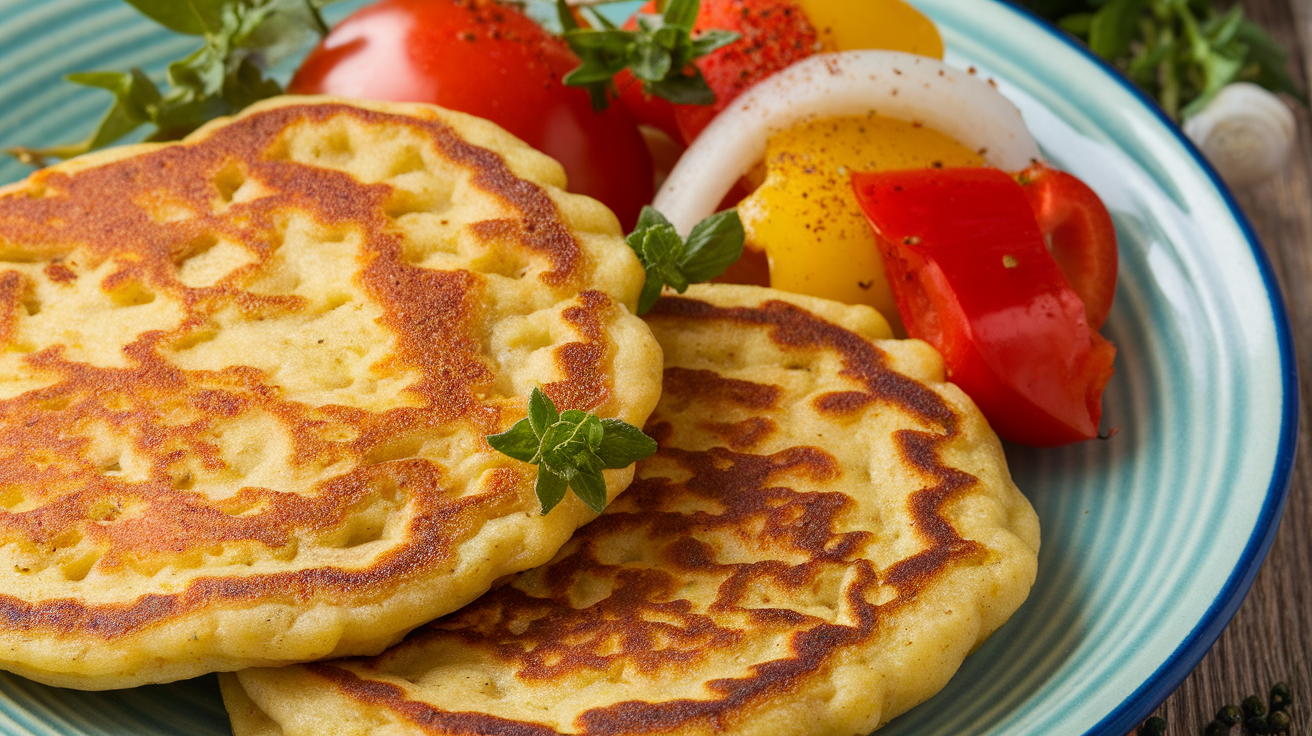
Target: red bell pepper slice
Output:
[(973, 277), (1080, 235)]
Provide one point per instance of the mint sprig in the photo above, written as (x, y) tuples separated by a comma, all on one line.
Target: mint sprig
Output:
[(241, 41), (712, 246), (659, 54), (571, 448)]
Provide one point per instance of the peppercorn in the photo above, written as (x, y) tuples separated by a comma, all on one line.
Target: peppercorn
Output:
[(1253, 707), (1278, 721), (1256, 725), (1216, 728), (1229, 715), (1280, 697), (1154, 726)]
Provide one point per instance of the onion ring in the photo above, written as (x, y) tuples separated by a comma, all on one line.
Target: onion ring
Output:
[(893, 84)]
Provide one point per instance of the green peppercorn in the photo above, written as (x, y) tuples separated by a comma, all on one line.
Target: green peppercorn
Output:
[(1216, 728), (1256, 725), (1154, 726), (1252, 706), (1229, 715), (1278, 721), (1280, 697)]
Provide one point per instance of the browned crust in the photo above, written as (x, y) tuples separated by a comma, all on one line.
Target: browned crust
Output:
[(169, 412), (546, 638)]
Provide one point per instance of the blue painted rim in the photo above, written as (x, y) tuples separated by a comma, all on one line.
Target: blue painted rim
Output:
[(1164, 681)]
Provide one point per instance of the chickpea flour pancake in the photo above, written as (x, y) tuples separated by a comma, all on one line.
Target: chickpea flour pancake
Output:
[(827, 530), (247, 379)]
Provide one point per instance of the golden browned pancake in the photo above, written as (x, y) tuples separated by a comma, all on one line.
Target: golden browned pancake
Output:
[(247, 378), (826, 532)]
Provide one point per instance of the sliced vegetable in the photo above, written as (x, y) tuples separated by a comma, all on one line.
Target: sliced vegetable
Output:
[(972, 277), (490, 60), (893, 25), (775, 34), (806, 219), (897, 85), (1080, 236)]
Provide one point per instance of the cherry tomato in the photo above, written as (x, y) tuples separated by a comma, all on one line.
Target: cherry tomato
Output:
[(973, 277), (490, 60), (775, 33), (1080, 235)]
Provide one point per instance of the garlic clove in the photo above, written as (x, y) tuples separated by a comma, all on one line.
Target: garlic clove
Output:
[(1245, 131)]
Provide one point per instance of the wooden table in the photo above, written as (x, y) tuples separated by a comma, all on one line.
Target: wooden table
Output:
[(1270, 639)]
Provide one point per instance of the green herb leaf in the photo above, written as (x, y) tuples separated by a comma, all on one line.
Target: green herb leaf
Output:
[(590, 486), (179, 17), (241, 41), (541, 412), (1112, 28), (519, 442), (622, 444), (550, 489), (659, 53), (570, 449), (712, 246), (1269, 60), (1182, 52)]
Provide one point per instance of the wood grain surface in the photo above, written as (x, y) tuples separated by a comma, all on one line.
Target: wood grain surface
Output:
[(1270, 639)]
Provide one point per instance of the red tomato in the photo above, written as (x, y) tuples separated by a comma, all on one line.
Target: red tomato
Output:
[(972, 276), (776, 33), (490, 60), (1081, 236)]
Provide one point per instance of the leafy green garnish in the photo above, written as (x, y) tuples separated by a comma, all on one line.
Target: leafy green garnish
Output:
[(571, 448), (712, 246), (659, 54), (1182, 52), (242, 40)]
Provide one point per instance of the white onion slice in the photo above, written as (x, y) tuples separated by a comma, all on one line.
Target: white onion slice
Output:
[(1246, 132), (888, 83)]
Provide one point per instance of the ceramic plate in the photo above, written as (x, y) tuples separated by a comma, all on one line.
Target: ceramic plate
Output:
[(1150, 539)]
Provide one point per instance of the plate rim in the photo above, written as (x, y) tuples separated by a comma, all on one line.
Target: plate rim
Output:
[(1178, 665)]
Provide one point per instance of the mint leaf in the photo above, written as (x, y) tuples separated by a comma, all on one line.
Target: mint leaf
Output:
[(541, 412), (570, 449), (550, 489), (659, 53), (623, 444), (712, 246), (518, 442), (240, 41), (176, 16), (590, 486)]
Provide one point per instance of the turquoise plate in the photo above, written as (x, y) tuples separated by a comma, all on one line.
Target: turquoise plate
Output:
[(1150, 539)]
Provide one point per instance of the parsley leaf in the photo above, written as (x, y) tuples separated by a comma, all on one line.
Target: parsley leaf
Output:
[(241, 41), (659, 53), (1182, 52), (712, 246), (571, 448)]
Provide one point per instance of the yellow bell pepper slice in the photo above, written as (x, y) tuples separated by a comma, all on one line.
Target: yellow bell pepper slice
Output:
[(873, 24), (806, 218)]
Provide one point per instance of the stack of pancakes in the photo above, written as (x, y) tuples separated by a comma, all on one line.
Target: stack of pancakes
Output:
[(243, 399)]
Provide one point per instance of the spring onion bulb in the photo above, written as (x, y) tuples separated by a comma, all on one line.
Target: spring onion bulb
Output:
[(887, 83), (1245, 131)]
